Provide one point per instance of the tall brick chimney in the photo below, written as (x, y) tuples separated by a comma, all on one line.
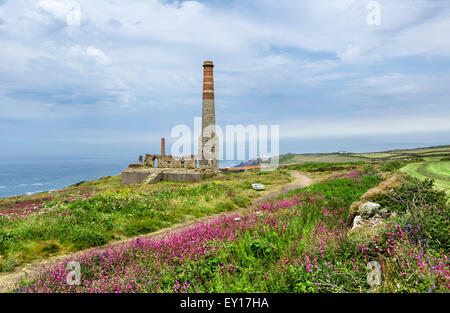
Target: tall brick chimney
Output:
[(163, 146), (208, 120)]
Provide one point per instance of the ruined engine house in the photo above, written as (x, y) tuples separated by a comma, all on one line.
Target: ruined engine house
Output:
[(155, 167)]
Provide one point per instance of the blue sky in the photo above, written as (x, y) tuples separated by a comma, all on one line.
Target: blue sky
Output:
[(130, 70)]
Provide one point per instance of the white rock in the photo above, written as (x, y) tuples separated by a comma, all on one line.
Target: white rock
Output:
[(357, 221), (368, 209)]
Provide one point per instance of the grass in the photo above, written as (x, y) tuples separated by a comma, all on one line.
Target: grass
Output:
[(430, 152), (296, 243), (409, 153), (321, 158), (97, 212), (234, 254), (439, 171)]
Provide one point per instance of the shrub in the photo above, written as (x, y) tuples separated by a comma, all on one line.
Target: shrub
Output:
[(241, 202), (423, 210), (412, 195), (6, 238), (391, 166), (226, 206), (142, 226), (84, 238), (262, 249), (8, 264)]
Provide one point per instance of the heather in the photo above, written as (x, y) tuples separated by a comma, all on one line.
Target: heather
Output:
[(290, 244), (95, 213), (295, 243)]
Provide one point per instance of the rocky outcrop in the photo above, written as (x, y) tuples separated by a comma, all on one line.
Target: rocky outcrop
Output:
[(370, 215), (368, 209), (391, 182)]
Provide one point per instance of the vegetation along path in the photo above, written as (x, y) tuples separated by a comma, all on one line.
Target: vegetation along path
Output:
[(8, 281)]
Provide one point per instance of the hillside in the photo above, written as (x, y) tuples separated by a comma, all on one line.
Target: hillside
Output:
[(220, 235), (439, 151)]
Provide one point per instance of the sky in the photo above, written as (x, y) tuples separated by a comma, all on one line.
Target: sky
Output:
[(109, 77)]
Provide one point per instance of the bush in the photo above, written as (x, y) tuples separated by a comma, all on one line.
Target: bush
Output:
[(423, 210), (226, 206), (412, 195), (6, 238), (8, 265), (241, 202), (262, 249), (84, 238), (391, 166), (142, 226)]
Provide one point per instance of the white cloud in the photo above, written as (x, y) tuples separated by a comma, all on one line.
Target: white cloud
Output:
[(399, 84), (133, 55), (98, 55), (67, 11), (350, 54), (353, 127), (90, 52)]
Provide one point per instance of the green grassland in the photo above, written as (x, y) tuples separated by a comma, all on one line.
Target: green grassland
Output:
[(432, 168), (420, 153), (96, 212), (321, 158), (439, 151), (101, 211), (296, 243)]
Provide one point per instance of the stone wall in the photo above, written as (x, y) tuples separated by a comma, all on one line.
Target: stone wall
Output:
[(134, 177), (168, 161), (153, 175)]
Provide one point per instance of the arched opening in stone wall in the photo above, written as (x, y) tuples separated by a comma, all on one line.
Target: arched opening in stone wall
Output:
[(155, 162)]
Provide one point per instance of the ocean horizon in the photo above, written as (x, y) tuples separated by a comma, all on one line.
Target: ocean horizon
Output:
[(23, 176)]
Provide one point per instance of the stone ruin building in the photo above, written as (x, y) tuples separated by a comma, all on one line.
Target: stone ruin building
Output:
[(167, 161), (154, 168)]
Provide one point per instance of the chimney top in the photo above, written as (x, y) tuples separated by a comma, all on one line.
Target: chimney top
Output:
[(163, 147), (208, 63)]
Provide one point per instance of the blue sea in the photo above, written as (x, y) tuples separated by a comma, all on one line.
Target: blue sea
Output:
[(22, 176)]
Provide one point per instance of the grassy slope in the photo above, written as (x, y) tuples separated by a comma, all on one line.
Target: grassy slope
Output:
[(441, 169), (249, 263), (96, 212), (439, 151), (320, 158), (420, 152), (437, 170), (296, 244)]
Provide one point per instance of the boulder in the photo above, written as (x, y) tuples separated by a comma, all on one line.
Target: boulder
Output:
[(384, 213), (357, 222), (368, 209)]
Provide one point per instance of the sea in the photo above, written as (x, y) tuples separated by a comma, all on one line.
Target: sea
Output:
[(26, 176)]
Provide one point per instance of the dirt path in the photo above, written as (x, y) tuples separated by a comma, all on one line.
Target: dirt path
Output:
[(8, 281)]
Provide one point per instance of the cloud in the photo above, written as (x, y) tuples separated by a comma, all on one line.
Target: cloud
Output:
[(318, 60), (67, 11), (90, 53), (350, 54), (114, 23), (326, 128)]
